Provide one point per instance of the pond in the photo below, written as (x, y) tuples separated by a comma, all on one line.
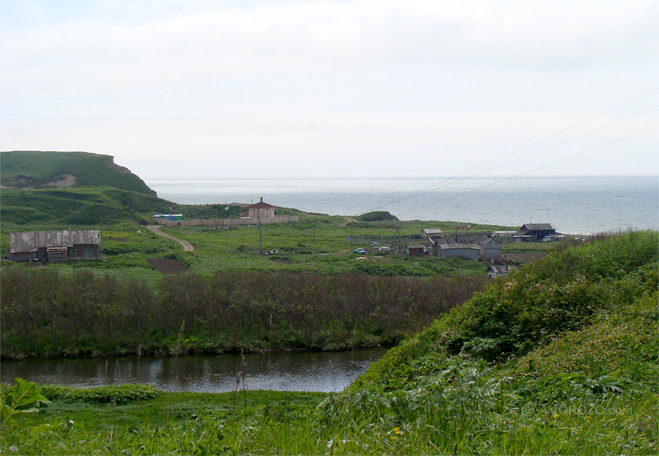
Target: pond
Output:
[(278, 371)]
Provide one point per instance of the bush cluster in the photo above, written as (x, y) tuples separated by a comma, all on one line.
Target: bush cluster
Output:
[(49, 314)]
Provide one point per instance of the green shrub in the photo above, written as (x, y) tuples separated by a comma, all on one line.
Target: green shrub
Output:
[(115, 394)]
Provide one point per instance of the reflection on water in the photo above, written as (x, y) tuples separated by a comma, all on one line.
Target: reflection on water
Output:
[(279, 371)]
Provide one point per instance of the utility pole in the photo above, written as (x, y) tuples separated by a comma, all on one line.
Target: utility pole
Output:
[(260, 235)]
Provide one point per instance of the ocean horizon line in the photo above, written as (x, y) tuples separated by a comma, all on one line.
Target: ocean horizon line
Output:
[(214, 179)]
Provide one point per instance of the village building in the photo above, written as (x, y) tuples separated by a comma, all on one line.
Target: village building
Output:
[(416, 250), (535, 232), (471, 247), (499, 270), (431, 233), (467, 250), (261, 210), (55, 246)]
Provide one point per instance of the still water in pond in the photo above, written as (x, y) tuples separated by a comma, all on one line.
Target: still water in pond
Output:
[(279, 371)]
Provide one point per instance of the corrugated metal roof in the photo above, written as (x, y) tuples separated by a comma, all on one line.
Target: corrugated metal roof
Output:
[(537, 226), (465, 240), (34, 240), (458, 246)]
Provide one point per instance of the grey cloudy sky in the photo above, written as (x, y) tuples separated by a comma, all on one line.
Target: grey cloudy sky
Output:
[(364, 88)]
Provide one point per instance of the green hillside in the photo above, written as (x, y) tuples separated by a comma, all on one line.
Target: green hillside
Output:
[(36, 169), (78, 206)]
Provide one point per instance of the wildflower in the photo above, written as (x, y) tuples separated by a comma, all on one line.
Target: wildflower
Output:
[(587, 417), (396, 430), (556, 416), (392, 437)]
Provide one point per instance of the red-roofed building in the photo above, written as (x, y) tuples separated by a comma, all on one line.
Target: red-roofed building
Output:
[(261, 210)]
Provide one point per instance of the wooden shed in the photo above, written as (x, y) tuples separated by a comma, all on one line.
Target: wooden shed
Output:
[(469, 251), (54, 246)]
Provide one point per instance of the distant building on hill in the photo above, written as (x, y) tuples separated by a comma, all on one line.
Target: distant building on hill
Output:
[(534, 232), (261, 210), (55, 246)]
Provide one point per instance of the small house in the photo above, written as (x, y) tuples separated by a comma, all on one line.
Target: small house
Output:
[(535, 231), (261, 210)]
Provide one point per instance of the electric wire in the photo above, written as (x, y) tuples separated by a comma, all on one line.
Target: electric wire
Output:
[(454, 179), (531, 170)]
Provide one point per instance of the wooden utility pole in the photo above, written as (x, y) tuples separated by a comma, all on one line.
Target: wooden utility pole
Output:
[(260, 235)]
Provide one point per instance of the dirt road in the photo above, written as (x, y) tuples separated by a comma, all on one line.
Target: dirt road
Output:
[(187, 247), (348, 220)]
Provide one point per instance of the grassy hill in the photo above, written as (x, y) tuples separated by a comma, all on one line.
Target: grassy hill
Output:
[(36, 169), (79, 188)]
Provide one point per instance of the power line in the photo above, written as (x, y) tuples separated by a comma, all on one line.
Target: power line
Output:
[(531, 170), (450, 180)]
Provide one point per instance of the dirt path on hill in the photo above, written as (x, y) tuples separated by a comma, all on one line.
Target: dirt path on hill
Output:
[(187, 247), (347, 221)]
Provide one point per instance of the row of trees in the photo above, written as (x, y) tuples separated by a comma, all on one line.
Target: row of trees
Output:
[(49, 314)]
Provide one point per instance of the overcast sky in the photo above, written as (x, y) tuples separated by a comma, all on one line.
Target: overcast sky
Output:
[(365, 88)]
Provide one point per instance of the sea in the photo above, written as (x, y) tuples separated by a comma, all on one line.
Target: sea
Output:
[(573, 205)]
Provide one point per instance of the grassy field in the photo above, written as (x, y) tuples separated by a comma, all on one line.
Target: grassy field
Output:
[(559, 358), (317, 243)]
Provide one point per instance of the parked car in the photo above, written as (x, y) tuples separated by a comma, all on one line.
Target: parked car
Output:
[(360, 251), (384, 249)]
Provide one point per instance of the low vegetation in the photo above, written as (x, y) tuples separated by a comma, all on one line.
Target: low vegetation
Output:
[(560, 358)]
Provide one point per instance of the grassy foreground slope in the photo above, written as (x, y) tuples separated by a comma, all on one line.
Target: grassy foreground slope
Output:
[(561, 358)]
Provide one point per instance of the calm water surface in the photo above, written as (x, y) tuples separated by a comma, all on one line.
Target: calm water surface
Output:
[(278, 371), (572, 204)]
